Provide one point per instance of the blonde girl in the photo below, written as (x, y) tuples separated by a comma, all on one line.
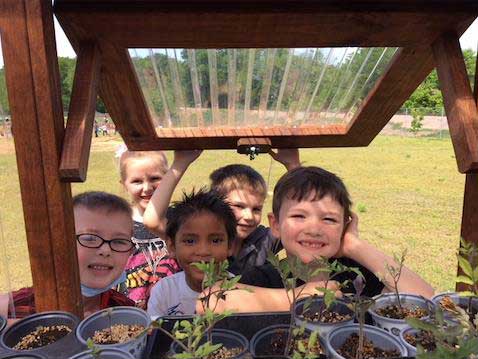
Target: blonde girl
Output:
[(141, 172)]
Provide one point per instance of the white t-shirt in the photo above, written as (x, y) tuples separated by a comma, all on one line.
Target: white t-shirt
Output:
[(172, 296)]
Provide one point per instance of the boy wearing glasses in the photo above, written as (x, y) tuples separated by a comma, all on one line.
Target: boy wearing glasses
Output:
[(103, 228)]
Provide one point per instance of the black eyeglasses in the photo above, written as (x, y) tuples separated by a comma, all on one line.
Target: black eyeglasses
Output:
[(89, 240)]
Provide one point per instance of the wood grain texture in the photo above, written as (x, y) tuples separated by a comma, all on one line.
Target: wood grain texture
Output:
[(81, 115), (406, 71), (32, 77), (469, 223), (460, 105), (121, 93), (475, 85), (204, 24)]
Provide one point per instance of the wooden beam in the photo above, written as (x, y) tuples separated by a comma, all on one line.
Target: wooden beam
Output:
[(475, 87), (81, 115), (227, 138), (406, 71), (122, 95), (460, 106), (32, 77), (469, 222), (204, 24)]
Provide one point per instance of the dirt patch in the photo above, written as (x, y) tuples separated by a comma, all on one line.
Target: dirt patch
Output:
[(99, 144)]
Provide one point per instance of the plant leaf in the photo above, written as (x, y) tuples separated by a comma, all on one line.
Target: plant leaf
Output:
[(465, 266), (464, 279)]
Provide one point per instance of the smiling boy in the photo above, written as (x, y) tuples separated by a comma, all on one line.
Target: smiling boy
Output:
[(201, 227), (103, 228), (243, 188), (312, 217)]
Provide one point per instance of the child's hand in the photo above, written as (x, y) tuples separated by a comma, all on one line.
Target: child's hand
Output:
[(184, 158), (289, 157), (350, 238)]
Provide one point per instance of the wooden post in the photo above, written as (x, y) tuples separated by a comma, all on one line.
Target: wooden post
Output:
[(461, 109), (33, 82), (469, 222), (81, 116), (459, 103), (475, 87)]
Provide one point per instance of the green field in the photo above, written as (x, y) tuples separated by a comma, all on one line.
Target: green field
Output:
[(407, 191)]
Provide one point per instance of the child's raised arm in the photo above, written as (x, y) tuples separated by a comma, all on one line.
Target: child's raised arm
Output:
[(155, 214), (375, 261), (289, 157)]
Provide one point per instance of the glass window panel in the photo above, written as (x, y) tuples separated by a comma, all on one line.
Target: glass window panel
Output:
[(257, 87)]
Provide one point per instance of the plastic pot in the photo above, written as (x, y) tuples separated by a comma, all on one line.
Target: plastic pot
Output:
[(3, 323), (379, 337), (411, 350), (23, 356), (228, 338), (62, 348), (260, 346), (395, 326), (457, 299), (112, 316), (316, 304), (109, 353)]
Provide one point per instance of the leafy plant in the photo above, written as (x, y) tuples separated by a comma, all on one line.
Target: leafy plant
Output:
[(417, 122), (95, 351), (456, 339), (189, 334), (360, 304), (395, 272), (293, 269), (467, 261)]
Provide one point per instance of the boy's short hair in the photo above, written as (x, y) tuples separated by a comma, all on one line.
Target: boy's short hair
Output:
[(196, 202), (234, 177), (299, 183), (125, 156), (108, 202)]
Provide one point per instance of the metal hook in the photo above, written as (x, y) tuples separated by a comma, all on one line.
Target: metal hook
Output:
[(253, 152)]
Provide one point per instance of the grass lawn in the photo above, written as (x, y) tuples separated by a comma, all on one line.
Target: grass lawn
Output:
[(407, 192)]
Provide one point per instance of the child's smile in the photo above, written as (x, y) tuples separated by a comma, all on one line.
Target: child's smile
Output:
[(311, 228), (99, 267), (200, 238), (247, 207)]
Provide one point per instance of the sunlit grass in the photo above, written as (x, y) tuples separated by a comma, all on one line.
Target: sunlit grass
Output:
[(410, 188)]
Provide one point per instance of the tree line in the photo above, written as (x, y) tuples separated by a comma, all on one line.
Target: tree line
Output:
[(351, 79)]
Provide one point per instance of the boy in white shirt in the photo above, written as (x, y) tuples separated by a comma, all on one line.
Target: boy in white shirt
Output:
[(199, 228)]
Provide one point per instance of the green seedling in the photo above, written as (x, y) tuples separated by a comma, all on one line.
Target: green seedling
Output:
[(293, 269), (467, 261), (360, 305), (189, 334), (455, 339), (395, 272)]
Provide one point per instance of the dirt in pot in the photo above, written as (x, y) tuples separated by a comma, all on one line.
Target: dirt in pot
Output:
[(424, 338), (327, 316), (118, 333), (225, 353), (278, 344), (42, 336), (393, 311), (349, 349)]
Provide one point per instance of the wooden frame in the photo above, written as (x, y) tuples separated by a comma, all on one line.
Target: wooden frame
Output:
[(31, 68), (101, 31), (243, 23)]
